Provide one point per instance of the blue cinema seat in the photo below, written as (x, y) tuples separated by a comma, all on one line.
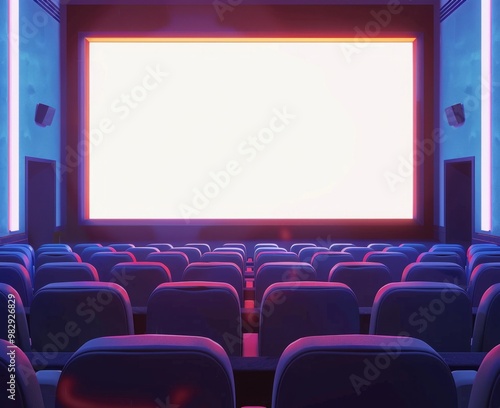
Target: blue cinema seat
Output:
[(27, 392), (438, 313), (275, 272), (52, 257), (395, 261), (66, 315), (208, 309), (299, 245), (15, 327), (435, 272), (105, 261), (200, 245), (141, 253), (176, 262), (291, 311), (147, 371), (225, 272), (232, 257), (323, 262), (64, 272), (410, 252), (483, 276), (273, 256), (486, 334), (359, 371), (140, 279), (17, 276), (364, 278), (193, 254)]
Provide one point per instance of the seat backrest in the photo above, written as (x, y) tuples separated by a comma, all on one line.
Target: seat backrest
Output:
[(441, 256), (235, 245), (64, 272), (362, 371), (486, 334), (140, 279), (438, 313), (482, 277), (51, 245), (225, 249), (435, 272), (265, 245), (226, 272), (105, 261), (201, 246), (457, 248), (485, 391), (148, 371), (12, 304), (379, 246), (481, 258), (395, 261), (15, 257), (273, 256), (89, 251), (207, 309), (51, 257), (121, 247), (410, 252), (24, 388), (339, 246), (364, 278), (275, 272), (193, 254), (232, 257), (416, 245), (323, 262), (163, 247), (290, 311), (52, 248), (79, 248), (306, 254), (17, 276), (474, 248), (440, 246), (358, 253), (175, 261), (141, 253), (267, 249), (66, 315), (25, 250), (238, 245), (299, 245)]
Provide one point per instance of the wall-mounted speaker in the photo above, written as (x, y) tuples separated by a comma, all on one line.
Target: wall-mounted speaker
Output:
[(455, 115), (44, 115)]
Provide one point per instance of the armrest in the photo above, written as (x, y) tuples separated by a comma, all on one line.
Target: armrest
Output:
[(48, 380), (463, 382), (250, 345)]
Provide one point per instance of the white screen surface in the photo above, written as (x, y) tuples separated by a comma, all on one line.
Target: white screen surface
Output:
[(249, 130)]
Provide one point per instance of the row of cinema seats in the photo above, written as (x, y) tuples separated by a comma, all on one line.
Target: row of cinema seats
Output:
[(335, 313), (225, 264), (403, 263), (313, 372), (65, 315), (365, 278)]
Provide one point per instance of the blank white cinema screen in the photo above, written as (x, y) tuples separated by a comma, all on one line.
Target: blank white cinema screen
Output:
[(249, 129)]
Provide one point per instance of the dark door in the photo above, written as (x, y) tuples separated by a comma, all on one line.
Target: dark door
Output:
[(40, 201), (459, 200)]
